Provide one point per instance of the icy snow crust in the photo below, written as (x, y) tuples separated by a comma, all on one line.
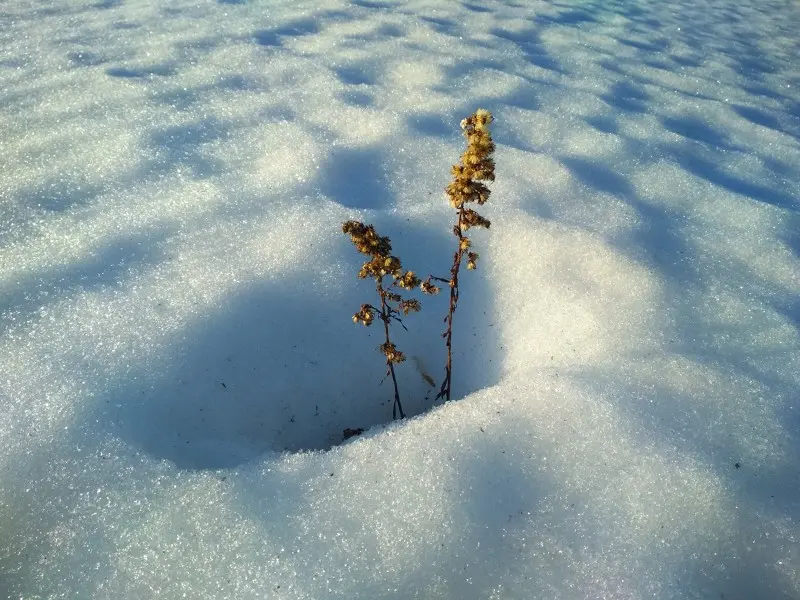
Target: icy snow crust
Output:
[(177, 360)]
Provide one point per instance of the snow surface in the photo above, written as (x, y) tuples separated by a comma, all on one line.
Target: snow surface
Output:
[(177, 357)]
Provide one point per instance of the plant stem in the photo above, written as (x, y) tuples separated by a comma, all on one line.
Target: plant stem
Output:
[(445, 389), (396, 406), (386, 317)]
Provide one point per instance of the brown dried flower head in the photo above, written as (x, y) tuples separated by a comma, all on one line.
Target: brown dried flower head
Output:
[(366, 240), (476, 164), (408, 280), (365, 316), (473, 219), (410, 305), (393, 355), (429, 288)]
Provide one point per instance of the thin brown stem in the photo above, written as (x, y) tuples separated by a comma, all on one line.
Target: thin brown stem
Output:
[(386, 316), (445, 389)]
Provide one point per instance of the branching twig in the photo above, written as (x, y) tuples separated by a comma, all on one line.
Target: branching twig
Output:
[(383, 264)]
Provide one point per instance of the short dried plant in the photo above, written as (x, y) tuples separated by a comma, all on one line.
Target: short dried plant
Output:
[(387, 272)]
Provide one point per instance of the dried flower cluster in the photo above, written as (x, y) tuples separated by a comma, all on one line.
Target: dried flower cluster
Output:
[(475, 167), (382, 264), (476, 163)]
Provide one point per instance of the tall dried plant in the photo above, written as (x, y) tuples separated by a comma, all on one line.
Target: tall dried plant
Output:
[(476, 166)]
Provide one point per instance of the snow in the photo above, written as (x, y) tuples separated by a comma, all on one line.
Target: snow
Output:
[(177, 356)]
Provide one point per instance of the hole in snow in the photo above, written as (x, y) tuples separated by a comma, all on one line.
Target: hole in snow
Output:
[(282, 367)]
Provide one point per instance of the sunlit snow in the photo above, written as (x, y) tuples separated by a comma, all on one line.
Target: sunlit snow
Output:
[(177, 355)]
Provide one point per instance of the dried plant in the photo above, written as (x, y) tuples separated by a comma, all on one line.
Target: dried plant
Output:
[(381, 265), (476, 166)]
